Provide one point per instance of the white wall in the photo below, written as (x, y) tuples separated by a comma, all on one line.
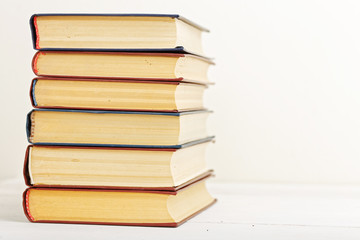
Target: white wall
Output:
[(286, 98)]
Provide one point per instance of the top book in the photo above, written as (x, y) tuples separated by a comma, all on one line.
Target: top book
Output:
[(116, 32)]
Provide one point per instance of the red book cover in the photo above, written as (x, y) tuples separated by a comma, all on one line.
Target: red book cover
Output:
[(26, 205)]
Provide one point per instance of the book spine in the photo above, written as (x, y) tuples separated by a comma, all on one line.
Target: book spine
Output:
[(37, 33), (32, 93), (26, 205), (28, 125), (33, 31), (34, 62), (26, 167)]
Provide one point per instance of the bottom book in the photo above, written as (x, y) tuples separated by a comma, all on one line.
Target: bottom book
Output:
[(116, 207)]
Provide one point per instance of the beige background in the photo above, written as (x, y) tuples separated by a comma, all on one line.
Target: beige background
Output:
[(286, 98)]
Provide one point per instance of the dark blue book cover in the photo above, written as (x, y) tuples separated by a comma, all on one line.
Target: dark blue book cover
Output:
[(177, 49), (198, 141)]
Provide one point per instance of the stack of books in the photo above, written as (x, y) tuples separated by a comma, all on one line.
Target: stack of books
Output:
[(119, 131)]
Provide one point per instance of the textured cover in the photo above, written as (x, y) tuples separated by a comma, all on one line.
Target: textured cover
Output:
[(169, 224), (179, 49), (28, 129), (35, 105), (26, 173)]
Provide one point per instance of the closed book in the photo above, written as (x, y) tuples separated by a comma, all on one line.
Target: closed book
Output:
[(116, 128), (116, 207), (114, 167), (110, 94), (116, 32), (122, 65)]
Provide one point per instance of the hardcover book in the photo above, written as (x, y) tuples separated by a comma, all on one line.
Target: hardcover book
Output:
[(116, 207), (122, 65), (114, 168), (116, 128), (107, 94), (116, 32)]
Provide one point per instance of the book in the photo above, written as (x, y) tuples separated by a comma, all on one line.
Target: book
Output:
[(107, 94), (116, 128), (122, 65), (113, 32), (114, 168), (116, 207)]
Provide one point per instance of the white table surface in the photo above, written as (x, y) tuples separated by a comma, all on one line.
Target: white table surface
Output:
[(243, 211)]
